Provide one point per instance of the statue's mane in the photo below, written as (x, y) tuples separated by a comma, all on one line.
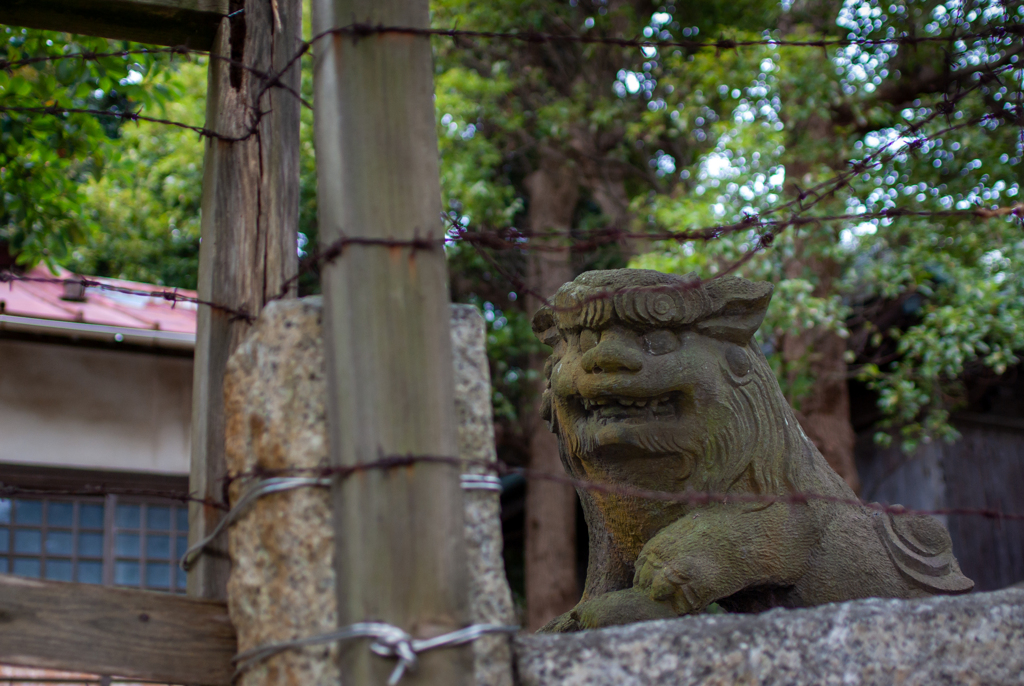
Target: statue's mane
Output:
[(644, 299), (759, 450)]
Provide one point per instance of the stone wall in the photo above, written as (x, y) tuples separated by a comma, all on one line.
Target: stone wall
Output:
[(974, 639)]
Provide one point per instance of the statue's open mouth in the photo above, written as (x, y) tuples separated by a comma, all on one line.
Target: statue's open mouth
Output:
[(622, 407)]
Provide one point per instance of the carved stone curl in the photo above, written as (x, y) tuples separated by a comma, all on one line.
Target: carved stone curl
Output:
[(655, 383)]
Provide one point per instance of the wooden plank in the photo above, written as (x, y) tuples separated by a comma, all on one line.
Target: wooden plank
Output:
[(249, 220), (400, 555), (985, 469), (124, 632), (227, 267), (192, 23), (279, 193)]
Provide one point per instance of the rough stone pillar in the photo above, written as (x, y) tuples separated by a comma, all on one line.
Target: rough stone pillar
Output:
[(282, 548), (490, 596), (282, 574)]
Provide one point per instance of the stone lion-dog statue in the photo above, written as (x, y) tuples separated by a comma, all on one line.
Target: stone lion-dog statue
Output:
[(655, 383)]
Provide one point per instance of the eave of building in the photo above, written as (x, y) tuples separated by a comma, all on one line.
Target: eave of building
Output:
[(116, 317), (98, 332)]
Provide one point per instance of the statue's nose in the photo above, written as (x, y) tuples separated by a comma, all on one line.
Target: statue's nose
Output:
[(615, 353)]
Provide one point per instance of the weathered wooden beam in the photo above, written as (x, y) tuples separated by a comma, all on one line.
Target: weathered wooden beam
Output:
[(399, 552), (125, 632), (249, 223), (279, 192), (192, 23)]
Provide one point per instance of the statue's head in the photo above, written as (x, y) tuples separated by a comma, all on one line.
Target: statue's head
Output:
[(663, 367)]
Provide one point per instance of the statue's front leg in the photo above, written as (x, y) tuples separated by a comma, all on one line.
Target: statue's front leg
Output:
[(616, 607), (716, 552), (565, 623)]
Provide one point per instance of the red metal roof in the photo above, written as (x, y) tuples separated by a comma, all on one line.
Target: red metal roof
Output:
[(42, 300)]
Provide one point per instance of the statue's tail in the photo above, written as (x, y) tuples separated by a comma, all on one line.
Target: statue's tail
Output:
[(921, 549)]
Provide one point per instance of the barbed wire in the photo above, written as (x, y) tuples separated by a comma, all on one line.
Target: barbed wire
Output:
[(56, 111), (391, 462), (362, 30), (358, 30), (99, 490), (540, 242), (260, 482), (763, 224), (13, 65), (909, 140), (549, 241), (273, 79), (170, 295), (1008, 30), (766, 229)]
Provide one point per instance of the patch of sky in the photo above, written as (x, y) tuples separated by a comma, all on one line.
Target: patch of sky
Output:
[(663, 163), (862, 67), (448, 121), (134, 77), (849, 239), (632, 82), (494, 316)]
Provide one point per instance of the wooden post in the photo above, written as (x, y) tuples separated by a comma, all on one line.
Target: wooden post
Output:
[(192, 23), (400, 554), (249, 223)]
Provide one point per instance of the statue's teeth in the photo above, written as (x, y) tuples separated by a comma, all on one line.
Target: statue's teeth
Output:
[(641, 403), (626, 401)]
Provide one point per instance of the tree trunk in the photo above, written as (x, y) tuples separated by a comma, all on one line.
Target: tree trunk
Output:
[(551, 584), (604, 177), (824, 413)]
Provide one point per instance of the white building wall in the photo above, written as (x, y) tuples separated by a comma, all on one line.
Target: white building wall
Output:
[(68, 406)]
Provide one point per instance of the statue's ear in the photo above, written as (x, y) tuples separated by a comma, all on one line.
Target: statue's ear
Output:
[(545, 327), (738, 307)]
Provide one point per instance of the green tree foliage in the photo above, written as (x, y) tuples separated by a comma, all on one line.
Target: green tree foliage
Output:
[(47, 160), (708, 137), (663, 139), (925, 298), (147, 201)]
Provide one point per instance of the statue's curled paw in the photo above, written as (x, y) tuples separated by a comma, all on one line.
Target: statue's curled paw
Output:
[(563, 624), (668, 579), (620, 607)]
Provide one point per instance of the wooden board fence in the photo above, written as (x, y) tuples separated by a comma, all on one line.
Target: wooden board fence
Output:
[(139, 634)]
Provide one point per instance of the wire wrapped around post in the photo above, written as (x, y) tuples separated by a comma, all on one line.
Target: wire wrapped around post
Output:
[(388, 641)]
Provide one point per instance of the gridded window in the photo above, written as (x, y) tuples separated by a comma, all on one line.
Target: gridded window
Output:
[(148, 541), (111, 540)]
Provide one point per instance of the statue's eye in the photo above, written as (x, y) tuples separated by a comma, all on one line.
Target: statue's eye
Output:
[(588, 339), (738, 360), (661, 342)]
